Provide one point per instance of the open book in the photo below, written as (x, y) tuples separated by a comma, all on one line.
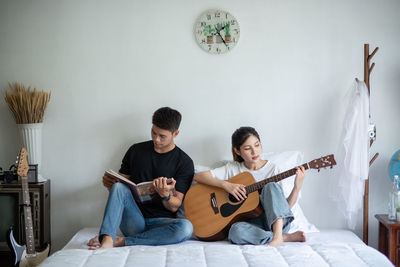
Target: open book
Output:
[(143, 192)]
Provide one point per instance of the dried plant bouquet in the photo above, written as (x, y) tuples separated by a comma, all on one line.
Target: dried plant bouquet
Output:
[(26, 105)]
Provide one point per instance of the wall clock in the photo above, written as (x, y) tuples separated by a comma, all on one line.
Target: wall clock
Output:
[(217, 31)]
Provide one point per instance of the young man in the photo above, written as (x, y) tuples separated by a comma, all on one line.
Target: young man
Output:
[(170, 169)]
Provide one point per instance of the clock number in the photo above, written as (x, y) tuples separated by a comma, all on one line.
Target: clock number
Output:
[(217, 15), (203, 23), (208, 16)]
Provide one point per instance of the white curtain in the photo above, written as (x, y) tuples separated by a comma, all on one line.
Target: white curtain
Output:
[(347, 188)]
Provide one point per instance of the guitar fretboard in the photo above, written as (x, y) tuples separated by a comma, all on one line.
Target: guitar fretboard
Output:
[(29, 238), (257, 186)]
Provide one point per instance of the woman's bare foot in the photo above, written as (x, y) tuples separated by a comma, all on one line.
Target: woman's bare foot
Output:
[(277, 239), (298, 236), (276, 242)]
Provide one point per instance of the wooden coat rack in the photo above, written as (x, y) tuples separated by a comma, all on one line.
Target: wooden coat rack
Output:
[(367, 71)]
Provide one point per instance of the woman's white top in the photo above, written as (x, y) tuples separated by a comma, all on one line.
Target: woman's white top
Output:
[(234, 168)]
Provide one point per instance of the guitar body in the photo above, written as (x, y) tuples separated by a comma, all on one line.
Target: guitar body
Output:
[(19, 252), (32, 260), (212, 210), (15, 248)]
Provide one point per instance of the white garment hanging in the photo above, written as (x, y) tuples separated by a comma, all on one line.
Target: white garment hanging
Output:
[(353, 155)]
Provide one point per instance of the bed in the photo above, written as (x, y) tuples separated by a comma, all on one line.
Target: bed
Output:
[(324, 248)]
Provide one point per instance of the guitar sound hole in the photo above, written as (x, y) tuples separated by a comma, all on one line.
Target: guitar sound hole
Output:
[(233, 199)]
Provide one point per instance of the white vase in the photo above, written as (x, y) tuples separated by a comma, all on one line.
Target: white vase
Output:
[(31, 134)]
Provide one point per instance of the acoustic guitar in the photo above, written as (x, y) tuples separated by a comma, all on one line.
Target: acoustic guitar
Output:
[(26, 254), (212, 210)]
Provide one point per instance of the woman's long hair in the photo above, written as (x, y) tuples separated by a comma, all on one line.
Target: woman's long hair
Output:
[(239, 137)]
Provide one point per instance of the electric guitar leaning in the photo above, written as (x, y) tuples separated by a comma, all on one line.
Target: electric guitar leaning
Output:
[(25, 255), (212, 210)]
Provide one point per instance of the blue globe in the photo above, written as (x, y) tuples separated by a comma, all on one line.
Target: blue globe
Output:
[(394, 165)]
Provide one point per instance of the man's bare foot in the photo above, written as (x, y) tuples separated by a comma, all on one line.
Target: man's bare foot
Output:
[(276, 242), (94, 242), (298, 236), (107, 242), (119, 241)]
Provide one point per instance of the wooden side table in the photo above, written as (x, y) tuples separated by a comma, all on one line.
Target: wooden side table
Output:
[(389, 238)]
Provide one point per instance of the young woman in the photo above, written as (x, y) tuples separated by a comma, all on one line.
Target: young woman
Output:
[(272, 225)]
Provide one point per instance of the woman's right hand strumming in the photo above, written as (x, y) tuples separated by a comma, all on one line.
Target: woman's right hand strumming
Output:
[(237, 190)]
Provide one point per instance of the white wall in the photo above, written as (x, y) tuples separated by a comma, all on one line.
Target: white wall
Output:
[(110, 64)]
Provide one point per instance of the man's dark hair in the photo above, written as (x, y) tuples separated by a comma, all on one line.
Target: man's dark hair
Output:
[(167, 119)]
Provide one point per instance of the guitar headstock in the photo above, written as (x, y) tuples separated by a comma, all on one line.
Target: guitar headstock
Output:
[(22, 165), (323, 162)]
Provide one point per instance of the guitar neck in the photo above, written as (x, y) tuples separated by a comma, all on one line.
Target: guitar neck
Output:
[(259, 185), (29, 238)]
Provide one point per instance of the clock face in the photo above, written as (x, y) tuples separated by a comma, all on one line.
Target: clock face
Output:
[(217, 31)]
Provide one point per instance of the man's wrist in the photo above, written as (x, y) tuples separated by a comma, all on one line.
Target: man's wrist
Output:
[(166, 198)]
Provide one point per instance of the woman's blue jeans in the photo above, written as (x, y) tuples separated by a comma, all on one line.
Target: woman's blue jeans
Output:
[(258, 231), (123, 213)]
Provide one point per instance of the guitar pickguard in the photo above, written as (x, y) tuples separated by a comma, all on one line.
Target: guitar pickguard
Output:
[(228, 209)]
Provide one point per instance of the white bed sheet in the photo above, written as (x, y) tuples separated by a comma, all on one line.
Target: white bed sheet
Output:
[(325, 248)]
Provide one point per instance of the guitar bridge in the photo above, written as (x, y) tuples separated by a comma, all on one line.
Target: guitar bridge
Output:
[(213, 202)]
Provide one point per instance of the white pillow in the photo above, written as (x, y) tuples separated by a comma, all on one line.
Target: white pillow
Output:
[(285, 161)]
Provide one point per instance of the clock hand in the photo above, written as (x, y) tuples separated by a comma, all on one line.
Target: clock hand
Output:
[(222, 39)]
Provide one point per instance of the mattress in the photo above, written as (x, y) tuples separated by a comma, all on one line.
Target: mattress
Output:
[(325, 248)]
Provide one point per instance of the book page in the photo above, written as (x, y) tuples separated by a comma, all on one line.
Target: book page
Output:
[(146, 188), (119, 177), (142, 192)]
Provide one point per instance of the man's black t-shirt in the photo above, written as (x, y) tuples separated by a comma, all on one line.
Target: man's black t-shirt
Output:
[(143, 163)]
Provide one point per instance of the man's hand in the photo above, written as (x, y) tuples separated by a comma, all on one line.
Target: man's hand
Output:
[(163, 185), (108, 181)]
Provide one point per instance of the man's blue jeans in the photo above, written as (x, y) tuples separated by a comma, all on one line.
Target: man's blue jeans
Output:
[(258, 231), (122, 212)]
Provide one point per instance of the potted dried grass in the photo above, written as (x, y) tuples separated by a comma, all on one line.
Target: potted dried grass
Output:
[(28, 107)]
